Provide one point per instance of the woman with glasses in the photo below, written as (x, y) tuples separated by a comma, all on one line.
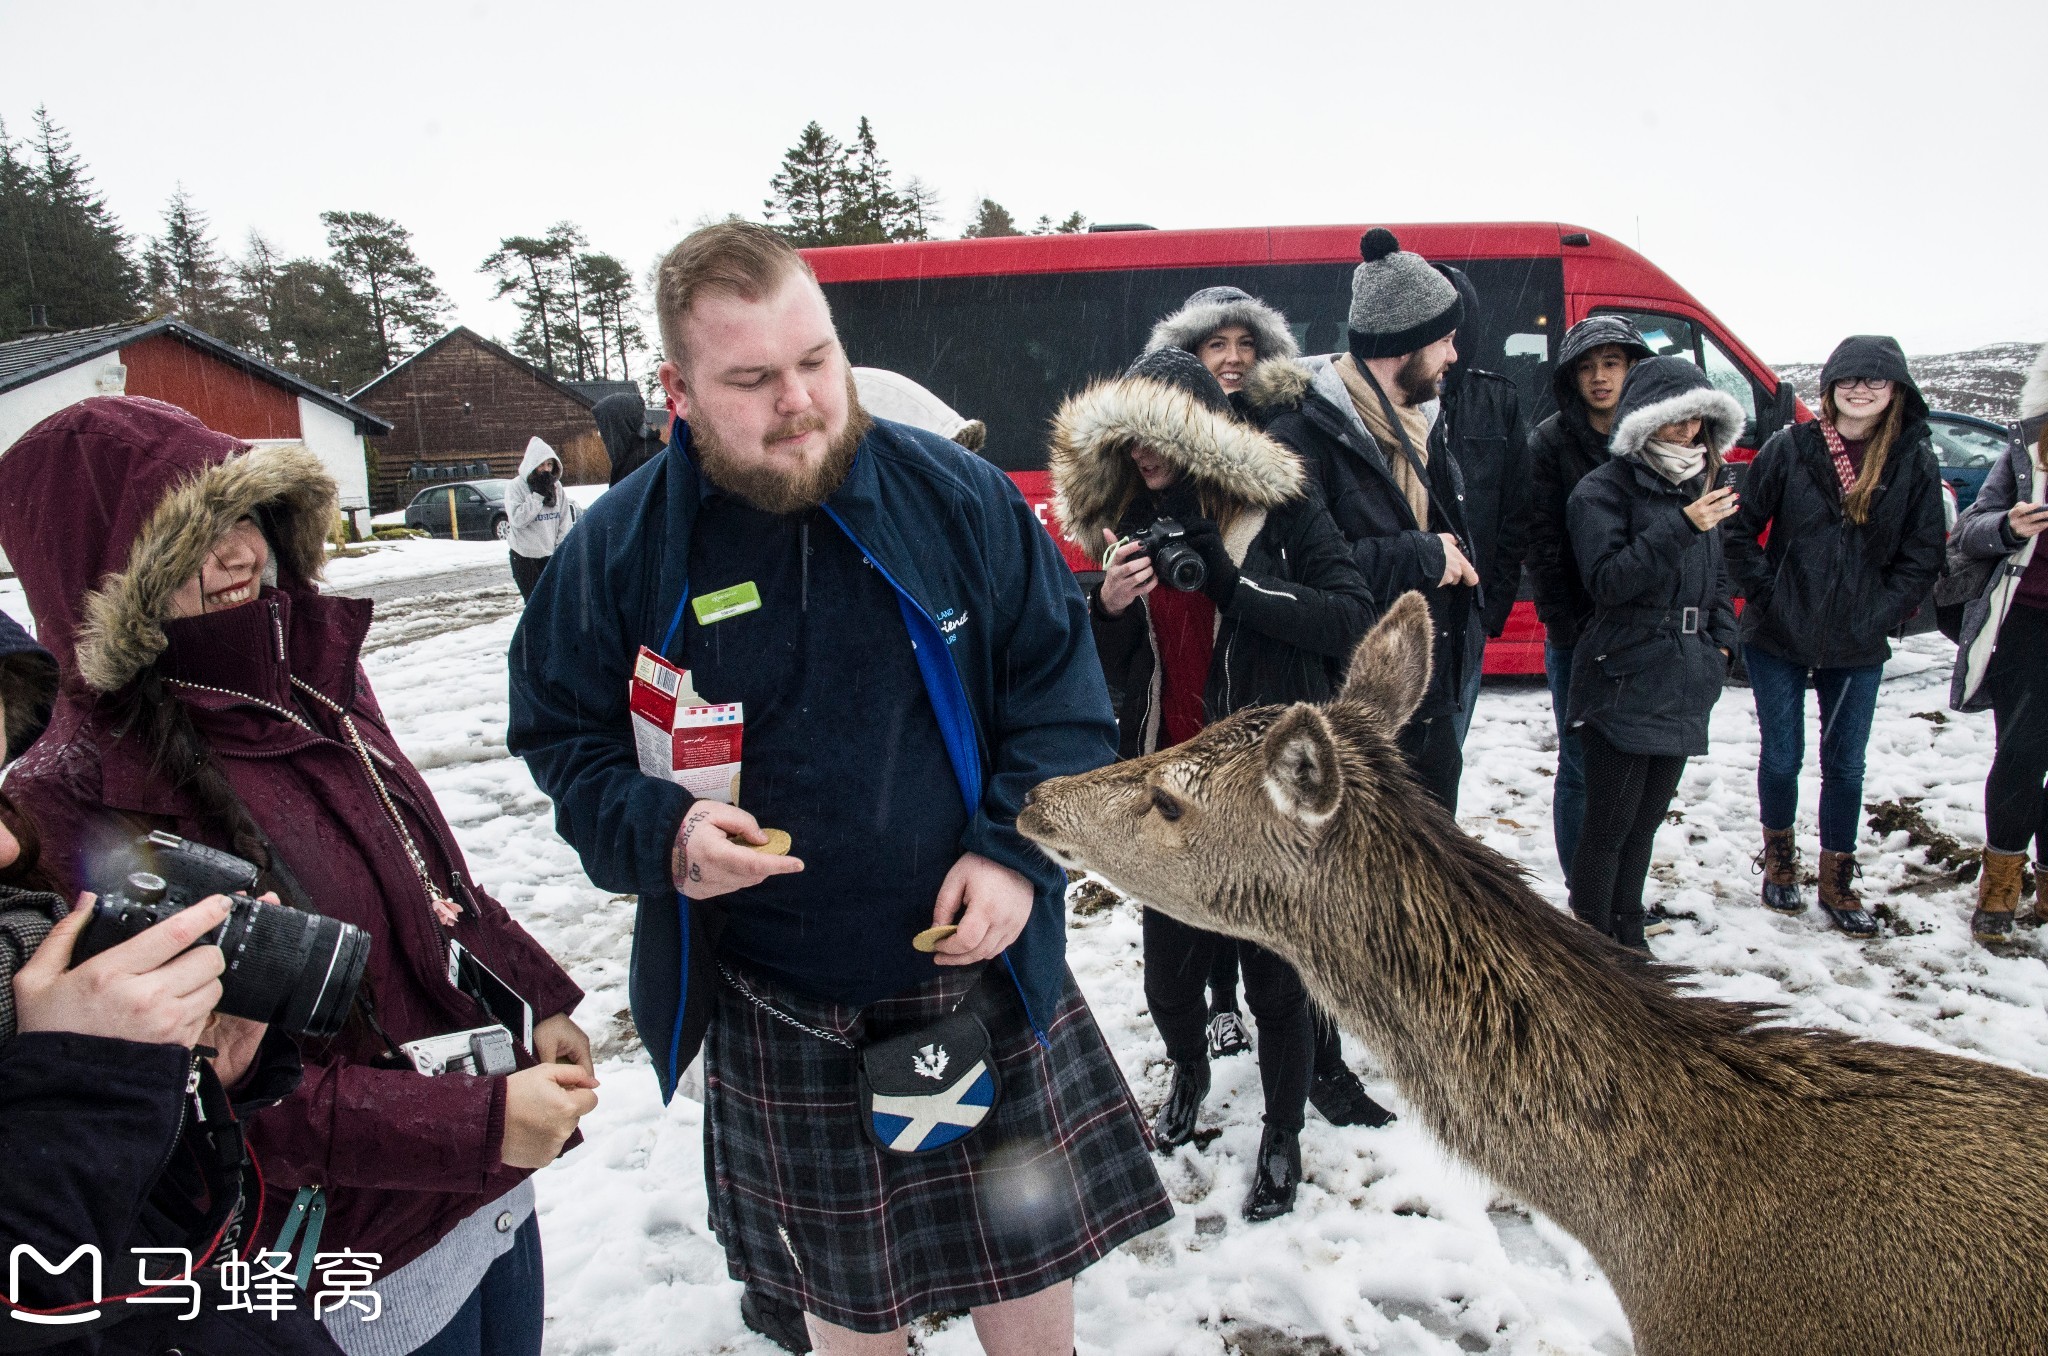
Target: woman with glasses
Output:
[(1853, 506)]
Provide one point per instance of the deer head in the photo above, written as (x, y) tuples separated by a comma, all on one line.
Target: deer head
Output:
[(1222, 831)]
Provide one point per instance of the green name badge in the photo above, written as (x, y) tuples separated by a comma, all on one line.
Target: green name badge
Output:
[(736, 601)]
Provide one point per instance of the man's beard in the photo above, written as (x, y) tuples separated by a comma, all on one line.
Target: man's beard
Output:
[(772, 489), (1417, 384)]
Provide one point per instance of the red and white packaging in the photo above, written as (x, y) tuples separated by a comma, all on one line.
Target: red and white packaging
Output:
[(680, 738)]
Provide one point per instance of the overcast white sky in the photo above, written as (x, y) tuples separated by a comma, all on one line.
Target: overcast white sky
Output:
[(1808, 170)]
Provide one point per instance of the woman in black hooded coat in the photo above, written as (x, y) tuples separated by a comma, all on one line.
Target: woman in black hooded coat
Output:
[(1279, 611), (1851, 507), (1649, 666)]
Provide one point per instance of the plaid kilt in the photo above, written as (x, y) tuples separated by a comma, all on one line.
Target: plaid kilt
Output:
[(809, 1210)]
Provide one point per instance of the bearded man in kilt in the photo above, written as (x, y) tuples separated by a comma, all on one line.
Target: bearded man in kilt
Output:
[(911, 657)]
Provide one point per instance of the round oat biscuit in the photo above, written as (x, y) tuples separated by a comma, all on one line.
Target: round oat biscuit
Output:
[(928, 940), (776, 846)]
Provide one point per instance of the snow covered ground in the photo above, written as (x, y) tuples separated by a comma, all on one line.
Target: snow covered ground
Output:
[(1392, 1247)]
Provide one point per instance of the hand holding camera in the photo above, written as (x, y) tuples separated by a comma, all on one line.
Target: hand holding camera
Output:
[(158, 987), (542, 481)]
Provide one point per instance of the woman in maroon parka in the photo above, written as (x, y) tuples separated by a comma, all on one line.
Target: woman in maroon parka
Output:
[(208, 688)]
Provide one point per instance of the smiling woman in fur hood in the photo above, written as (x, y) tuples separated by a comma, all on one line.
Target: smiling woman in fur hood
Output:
[(1246, 344), (1278, 608)]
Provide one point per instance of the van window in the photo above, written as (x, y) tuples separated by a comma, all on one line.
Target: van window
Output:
[(1730, 379), (1672, 336), (1007, 349), (1965, 447)]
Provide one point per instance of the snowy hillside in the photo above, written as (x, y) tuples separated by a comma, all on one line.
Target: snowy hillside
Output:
[(1983, 381), (1393, 1248)]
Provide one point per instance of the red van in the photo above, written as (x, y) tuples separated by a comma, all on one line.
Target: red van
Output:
[(1004, 329)]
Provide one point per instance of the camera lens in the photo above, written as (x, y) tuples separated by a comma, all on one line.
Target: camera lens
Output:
[(290, 968), (1181, 567)]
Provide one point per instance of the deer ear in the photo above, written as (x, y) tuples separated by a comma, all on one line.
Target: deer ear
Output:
[(1390, 667), (1302, 775)]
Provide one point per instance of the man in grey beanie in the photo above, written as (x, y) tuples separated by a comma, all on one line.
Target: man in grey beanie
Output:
[(1368, 421)]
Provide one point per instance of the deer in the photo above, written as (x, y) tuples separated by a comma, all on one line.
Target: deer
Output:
[(1747, 1187)]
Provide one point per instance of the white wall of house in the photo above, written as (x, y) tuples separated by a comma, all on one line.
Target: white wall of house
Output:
[(333, 438), (22, 408)]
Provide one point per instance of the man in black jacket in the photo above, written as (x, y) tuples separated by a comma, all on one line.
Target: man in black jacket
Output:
[(1592, 363), (1482, 415), (1368, 424)]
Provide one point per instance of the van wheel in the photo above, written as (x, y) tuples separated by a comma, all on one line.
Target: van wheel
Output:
[(500, 528)]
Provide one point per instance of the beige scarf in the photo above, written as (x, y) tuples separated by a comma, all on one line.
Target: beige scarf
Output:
[(1367, 402), (1676, 463)]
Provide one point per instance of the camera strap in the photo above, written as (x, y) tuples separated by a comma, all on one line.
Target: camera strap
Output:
[(287, 882), (1408, 452)]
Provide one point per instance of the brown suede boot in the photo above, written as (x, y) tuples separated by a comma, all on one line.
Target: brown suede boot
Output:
[(1998, 896), (1838, 897), (1779, 863)]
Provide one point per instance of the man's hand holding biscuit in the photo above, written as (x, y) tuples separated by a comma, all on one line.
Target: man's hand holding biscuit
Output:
[(990, 903), (715, 852)]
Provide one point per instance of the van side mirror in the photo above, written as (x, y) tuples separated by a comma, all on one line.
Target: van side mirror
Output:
[(1776, 411)]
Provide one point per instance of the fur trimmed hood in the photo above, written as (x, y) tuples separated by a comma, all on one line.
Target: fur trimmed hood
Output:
[(1277, 384), (1092, 435), (2034, 395), (147, 491), (1210, 309), (1662, 391)]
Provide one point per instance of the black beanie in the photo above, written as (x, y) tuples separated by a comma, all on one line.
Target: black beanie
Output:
[(1182, 370)]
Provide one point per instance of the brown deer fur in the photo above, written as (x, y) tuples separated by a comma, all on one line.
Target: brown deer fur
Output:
[(1746, 1188)]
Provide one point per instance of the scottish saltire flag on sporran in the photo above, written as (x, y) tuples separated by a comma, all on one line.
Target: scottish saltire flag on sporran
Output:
[(929, 1088)]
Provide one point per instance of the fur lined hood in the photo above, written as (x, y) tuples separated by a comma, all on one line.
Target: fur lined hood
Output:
[(1210, 309), (2034, 395), (1662, 391), (1278, 384), (1093, 433), (146, 490)]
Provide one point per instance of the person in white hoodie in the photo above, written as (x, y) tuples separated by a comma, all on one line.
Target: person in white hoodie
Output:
[(539, 512)]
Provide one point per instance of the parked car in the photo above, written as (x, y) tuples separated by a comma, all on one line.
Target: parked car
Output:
[(1967, 448), (477, 508), (1002, 329)]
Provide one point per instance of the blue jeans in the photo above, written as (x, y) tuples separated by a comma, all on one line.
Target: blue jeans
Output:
[(1848, 703), (503, 1315), (1568, 792)]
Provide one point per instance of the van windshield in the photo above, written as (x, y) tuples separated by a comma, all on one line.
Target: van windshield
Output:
[(1007, 349)]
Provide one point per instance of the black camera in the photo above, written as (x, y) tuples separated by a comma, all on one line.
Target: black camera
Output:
[(287, 967), (1177, 564)]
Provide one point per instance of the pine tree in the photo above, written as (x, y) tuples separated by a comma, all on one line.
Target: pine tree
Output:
[(810, 189), (374, 254), (920, 212), (607, 291), (187, 277), (991, 218), (870, 211), (310, 321), (533, 271), (60, 246)]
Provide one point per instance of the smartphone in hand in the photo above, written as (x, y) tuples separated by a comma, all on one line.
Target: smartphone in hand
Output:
[(1724, 479)]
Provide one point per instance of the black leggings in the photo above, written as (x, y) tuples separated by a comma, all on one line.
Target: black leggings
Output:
[(1176, 969), (1431, 749), (1626, 797), (526, 573), (2015, 810), (1223, 976)]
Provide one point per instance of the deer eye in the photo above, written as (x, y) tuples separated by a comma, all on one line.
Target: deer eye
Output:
[(1167, 806)]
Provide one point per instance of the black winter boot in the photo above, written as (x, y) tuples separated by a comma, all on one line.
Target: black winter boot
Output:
[(782, 1324), (1277, 1177), (1343, 1100), (1175, 1124), (1779, 863), (1628, 930)]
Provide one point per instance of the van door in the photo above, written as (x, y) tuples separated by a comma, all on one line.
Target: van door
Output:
[(1673, 335)]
